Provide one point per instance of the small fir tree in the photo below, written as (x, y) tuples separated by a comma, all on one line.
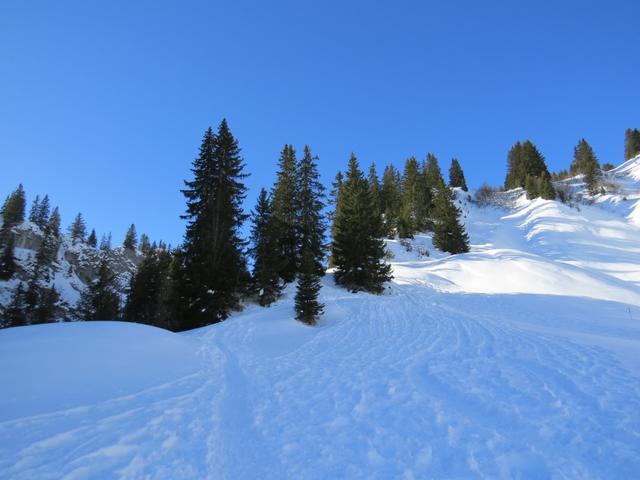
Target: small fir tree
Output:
[(8, 264), (448, 233), (456, 176), (307, 306), (92, 239), (15, 313), (266, 278), (131, 238), (78, 229), (13, 209)]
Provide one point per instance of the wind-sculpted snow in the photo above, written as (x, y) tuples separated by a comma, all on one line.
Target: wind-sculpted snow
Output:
[(519, 359)]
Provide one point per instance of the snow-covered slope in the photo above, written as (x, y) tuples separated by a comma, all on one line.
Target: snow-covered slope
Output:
[(519, 359)]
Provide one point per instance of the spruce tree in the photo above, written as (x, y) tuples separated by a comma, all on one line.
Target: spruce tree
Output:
[(547, 192), (456, 176), (53, 226), (48, 307), (15, 313), (584, 160), (532, 186), (213, 275), (307, 306), (448, 233), (78, 229), (266, 261), (145, 243), (92, 239), (283, 204), (100, 299), (149, 289), (35, 210), (309, 205), (334, 196), (592, 179), (376, 194), (131, 238), (410, 185), (391, 199), (8, 265), (357, 251), (13, 209), (631, 143)]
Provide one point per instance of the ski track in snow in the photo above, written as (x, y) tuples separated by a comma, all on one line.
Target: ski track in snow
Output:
[(454, 372)]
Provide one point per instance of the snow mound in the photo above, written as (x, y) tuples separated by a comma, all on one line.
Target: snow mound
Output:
[(58, 366)]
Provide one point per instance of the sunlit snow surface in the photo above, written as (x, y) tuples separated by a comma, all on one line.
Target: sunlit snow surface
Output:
[(520, 359)]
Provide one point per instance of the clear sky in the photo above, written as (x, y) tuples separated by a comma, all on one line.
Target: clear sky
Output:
[(103, 104)]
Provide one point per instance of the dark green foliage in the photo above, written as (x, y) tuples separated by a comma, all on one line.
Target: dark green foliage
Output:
[(411, 180), (376, 191), (540, 187), (40, 211), (592, 177), (608, 166), (433, 174), (456, 176), (547, 192), (307, 307), (357, 251), (145, 243), (149, 291), (131, 238), (584, 160), (13, 208), (532, 186), (524, 160), (283, 204), (92, 240), (390, 199), (310, 221), (15, 313), (100, 299), (78, 229), (266, 261), (53, 226), (631, 143), (48, 306), (448, 233), (8, 265), (212, 275)]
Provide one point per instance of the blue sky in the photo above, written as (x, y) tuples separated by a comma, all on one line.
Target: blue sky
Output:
[(103, 104)]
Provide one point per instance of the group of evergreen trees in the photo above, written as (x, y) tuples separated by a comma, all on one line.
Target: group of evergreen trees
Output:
[(414, 201), (287, 235), (527, 169), (631, 143)]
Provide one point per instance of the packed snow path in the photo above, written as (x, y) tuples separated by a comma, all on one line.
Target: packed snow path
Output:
[(411, 385)]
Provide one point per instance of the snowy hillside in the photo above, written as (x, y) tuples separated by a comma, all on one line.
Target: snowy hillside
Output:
[(520, 359)]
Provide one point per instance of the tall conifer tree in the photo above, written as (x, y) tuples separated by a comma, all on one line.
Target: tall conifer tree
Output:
[(213, 276), (266, 261), (283, 205)]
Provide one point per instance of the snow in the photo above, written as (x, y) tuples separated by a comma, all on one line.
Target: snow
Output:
[(516, 360)]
